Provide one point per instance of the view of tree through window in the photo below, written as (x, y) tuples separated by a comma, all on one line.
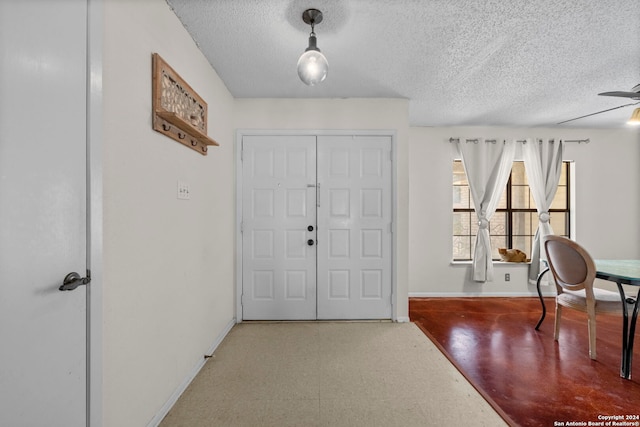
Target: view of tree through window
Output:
[(515, 222)]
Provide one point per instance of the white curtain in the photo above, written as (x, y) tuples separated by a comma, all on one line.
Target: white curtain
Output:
[(487, 164), (543, 163)]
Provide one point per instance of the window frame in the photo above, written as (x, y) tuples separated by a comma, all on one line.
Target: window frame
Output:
[(509, 211)]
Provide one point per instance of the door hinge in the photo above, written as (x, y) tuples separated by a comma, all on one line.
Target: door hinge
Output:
[(241, 227), (391, 155), (391, 227)]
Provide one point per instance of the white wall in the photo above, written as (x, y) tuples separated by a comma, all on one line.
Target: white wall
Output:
[(607, 204), (345, 114), (168, 263)]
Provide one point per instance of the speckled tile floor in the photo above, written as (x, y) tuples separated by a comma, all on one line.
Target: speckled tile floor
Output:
[(330, 374)]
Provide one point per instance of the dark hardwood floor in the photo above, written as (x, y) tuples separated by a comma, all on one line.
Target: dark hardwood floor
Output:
[(528, 377)]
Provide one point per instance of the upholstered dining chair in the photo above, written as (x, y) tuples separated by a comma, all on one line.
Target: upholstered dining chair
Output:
[(574, 272)]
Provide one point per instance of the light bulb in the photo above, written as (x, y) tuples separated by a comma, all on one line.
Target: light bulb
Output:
[(635, 118), (312, 67)]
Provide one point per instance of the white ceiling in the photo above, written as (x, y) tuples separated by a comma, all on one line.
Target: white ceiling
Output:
[(458, 62)]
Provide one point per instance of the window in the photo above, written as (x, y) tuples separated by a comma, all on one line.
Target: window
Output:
[(516, 220)]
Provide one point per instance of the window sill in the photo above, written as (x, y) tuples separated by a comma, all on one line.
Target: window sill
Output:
[(501, 263)]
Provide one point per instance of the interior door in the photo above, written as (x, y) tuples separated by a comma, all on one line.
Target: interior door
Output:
[(42, 212), (278, 228), (354, 227)]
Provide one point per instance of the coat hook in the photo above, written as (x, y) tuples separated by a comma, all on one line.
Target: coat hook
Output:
[(194, 142), (166, 127), (204, 149), (181, 135)]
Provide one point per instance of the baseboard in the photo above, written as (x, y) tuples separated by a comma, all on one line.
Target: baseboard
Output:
[(403, 319), (187, 380), (476, 294)]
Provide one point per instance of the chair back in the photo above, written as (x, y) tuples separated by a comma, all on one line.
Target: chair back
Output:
[(571, 265)]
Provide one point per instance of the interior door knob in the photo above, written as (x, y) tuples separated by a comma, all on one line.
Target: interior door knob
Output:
[(310, 242), (73, 280), (310, 228)]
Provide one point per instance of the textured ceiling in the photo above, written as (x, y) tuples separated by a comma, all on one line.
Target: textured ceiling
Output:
[(458, 62)]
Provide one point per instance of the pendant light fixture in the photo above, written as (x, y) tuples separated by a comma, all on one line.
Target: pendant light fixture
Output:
[(312, 65)]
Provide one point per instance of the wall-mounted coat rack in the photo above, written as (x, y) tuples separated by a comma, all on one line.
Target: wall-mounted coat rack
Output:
[(178, 111)]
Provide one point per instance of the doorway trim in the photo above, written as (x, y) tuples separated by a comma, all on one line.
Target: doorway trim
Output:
[(240, 133), (94, 316)]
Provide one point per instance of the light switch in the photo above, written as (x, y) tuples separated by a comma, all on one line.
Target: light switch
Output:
[(183, 191)]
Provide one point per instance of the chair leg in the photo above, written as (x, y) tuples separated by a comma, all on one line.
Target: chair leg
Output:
[(556, 324), (591, 324)]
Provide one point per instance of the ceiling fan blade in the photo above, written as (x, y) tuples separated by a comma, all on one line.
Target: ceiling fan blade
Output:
[(599, 112), (632, 95)]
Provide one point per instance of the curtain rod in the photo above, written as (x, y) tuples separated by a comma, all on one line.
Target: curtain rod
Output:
[(493, 141), (474, 140)]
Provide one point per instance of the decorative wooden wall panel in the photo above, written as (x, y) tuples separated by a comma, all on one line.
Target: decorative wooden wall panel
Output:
[(178, 111)]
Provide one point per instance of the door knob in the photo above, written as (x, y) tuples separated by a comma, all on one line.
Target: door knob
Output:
[(73, 280), (310, 242), (310, 228)]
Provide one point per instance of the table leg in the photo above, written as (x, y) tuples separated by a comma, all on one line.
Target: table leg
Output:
[(628, 331), (544, 308)]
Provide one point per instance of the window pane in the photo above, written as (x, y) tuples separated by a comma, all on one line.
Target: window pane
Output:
[(523, 243), (522, 224), (502, 204), (563, 175), (462, 247), (558, 223), (474, 224), (520, 197), (498, 224), (497, 242), (462, 223), (560, 199), (461, 197), (459, 177), (518, 174)]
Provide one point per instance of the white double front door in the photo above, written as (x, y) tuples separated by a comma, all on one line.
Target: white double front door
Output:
[(316, 227)]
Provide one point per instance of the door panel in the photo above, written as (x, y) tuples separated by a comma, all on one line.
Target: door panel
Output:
[(354, 227), (279, 197), (42, 212)]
